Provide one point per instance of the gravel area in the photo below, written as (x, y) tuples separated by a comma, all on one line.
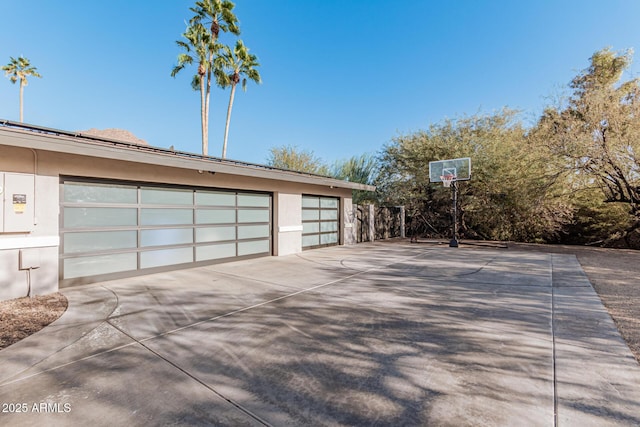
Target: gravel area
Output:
[(22, 317)]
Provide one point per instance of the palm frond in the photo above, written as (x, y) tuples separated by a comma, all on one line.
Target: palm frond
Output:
[(183, 59), (222, 78), (195, 82), (20, 69), (237, 62), (183, 45)]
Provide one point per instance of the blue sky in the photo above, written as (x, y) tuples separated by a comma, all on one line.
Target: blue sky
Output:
[(340, 78)]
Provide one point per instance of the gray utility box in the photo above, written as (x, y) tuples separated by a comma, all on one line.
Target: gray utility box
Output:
[(17, 193)]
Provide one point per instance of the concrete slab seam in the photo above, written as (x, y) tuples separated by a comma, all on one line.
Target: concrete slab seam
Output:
[(253, 279), (168, 332), (120, 347), (293, 294), (212, 389), (196, 379), (553, 351), (10, 381)]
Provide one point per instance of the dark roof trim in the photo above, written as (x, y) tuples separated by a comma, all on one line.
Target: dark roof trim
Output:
[(38, 137)]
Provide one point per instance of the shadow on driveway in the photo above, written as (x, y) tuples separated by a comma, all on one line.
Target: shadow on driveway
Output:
[(376, 334)]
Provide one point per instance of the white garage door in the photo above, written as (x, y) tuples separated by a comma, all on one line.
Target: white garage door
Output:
[(120, 229), (320, 221)]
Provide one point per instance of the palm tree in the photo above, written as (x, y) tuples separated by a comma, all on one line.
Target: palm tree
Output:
[(230, 67), (198, 48), (203, 42), (218, 13), (19, 69)]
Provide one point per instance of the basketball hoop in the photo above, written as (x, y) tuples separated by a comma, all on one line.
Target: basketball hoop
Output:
[(447, 180)]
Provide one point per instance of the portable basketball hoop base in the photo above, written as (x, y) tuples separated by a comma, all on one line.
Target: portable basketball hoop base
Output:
[(449, 181)]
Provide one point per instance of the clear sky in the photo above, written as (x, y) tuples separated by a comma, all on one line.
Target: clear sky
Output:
[(340, 77)]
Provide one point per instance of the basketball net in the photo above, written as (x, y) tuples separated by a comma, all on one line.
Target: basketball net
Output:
[(447, 180)]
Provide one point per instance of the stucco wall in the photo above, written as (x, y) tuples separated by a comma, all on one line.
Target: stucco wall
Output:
[(40, 243), (348, 225), (287, 223)]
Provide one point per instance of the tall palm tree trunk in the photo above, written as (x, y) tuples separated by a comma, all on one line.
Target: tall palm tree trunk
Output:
[(203, 119), (21, 99), (205, 148), (226, 127)]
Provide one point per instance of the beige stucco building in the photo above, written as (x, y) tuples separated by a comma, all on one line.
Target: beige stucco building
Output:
[(78, 209)]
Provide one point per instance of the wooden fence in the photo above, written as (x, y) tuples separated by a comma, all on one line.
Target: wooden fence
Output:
[(379, 222)]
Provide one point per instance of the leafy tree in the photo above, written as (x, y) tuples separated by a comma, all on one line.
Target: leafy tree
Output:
[(595, 222), (511, 195), (202, 46), (595, 135), (362, 169), (18, 70), (231, 66), (290, 157)]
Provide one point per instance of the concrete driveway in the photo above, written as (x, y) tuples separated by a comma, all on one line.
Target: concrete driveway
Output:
[(389, 334)]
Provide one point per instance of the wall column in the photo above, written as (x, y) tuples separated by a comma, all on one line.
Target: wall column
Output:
[(287, 231), (348, 222), (372, 223)]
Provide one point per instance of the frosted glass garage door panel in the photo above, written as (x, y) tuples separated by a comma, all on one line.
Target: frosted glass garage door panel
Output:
[(310, 227), (329, 203), (99, 193), (310, 215), (101, 264), (226, 250), (166, 257), (254, 200), (248, 248), (93, 241), (248, 215), (215, 216), (167, 236), (326, 239), (158, 196), (252, 231), (312, 240), (206, 198), (166, 216), (328, 214), (310, 202), (329, 226), (215, 234), (99, 217)]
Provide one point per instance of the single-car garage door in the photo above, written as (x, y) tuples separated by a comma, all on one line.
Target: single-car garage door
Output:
[(320, 221), (113, 229)]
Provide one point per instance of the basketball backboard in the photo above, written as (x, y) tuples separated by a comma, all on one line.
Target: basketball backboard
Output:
[(459, 168)]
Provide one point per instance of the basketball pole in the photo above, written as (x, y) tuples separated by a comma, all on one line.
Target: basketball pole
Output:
[(454, 196)]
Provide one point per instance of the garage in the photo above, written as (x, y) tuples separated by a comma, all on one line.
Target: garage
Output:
[(320, 221), (111, 229), (81, 208)]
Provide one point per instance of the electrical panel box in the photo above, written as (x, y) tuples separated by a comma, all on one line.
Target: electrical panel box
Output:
[(18, 202)]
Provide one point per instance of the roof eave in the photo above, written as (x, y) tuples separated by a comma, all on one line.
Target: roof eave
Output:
[(116, 150)]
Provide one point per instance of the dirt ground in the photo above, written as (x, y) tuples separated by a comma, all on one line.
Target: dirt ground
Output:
[(614, 273)]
